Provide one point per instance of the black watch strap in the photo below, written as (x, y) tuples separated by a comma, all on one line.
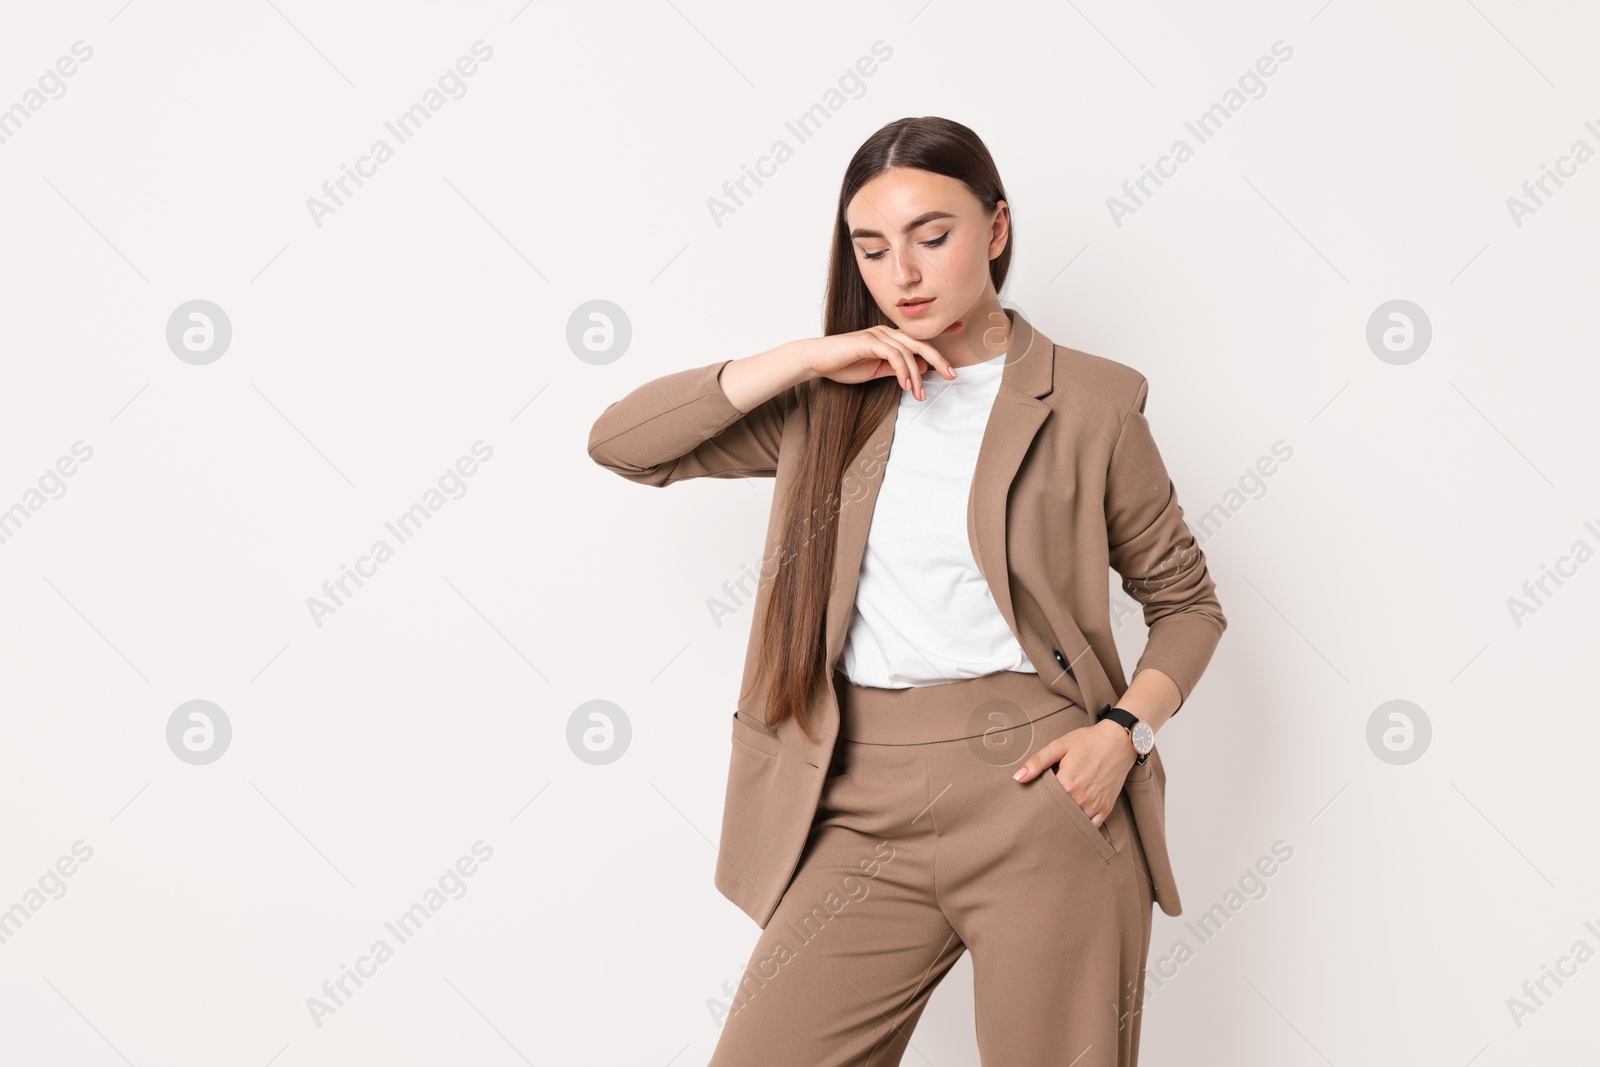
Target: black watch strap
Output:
[(1124, 719)]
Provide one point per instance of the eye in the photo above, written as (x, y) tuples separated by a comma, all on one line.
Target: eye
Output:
[(935, 243)]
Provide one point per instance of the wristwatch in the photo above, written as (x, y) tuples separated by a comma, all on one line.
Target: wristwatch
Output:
[(1144, 738)]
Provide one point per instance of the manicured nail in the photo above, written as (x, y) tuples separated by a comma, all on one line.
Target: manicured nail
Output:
[(1020, 772)]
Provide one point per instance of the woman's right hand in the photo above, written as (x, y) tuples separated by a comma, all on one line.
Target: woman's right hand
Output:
[(876, 352)]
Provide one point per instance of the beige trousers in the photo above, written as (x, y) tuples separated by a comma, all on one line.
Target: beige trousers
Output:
[(922, 847)]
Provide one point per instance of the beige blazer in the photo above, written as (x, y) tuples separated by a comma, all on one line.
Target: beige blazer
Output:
[(1068, 485)]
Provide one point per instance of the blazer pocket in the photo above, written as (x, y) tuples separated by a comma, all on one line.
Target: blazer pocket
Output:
[(1147, 800), (760, 819), (1140, 774), (1097, 837), (755, 735)]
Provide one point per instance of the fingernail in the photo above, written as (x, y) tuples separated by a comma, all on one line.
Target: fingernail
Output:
[(1020, 772)]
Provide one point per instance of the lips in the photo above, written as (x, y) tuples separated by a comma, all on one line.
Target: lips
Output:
[(916, 302)]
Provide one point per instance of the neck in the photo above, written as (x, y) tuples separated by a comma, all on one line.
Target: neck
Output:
[(985, 334)]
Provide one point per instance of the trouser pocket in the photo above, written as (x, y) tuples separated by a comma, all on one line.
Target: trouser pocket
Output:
[(1081, 824)]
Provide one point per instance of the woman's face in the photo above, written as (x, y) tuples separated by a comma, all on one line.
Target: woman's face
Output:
[(923, 236)]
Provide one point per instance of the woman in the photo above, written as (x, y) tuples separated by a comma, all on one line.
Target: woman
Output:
[(915, 769)]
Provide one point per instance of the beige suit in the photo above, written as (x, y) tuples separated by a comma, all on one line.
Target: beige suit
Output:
[(1068, 484)]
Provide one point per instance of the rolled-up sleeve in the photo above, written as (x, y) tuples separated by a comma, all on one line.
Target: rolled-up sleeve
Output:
[(683, 426), (1161, 565)]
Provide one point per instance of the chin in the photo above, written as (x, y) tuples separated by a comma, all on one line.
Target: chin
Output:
[(922, 329)]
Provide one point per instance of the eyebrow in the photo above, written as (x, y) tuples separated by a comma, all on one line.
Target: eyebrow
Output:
[(921, 220)]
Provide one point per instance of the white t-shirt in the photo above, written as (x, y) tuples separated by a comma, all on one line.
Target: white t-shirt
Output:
[(924, 614)]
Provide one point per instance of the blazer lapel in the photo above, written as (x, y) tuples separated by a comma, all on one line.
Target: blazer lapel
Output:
[(1014, 421), (855, 519)]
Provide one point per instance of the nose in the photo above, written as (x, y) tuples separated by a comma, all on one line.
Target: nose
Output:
[(906, 274)]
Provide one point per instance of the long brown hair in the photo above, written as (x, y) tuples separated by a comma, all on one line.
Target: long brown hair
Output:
[(842, 417)]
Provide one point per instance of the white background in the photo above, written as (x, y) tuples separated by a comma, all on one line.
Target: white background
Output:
[(431, 710)]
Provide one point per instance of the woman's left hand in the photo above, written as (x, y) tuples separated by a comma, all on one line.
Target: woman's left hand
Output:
[(1092, 763)]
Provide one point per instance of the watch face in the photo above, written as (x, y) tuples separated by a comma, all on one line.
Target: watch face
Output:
[(1144, 738)]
